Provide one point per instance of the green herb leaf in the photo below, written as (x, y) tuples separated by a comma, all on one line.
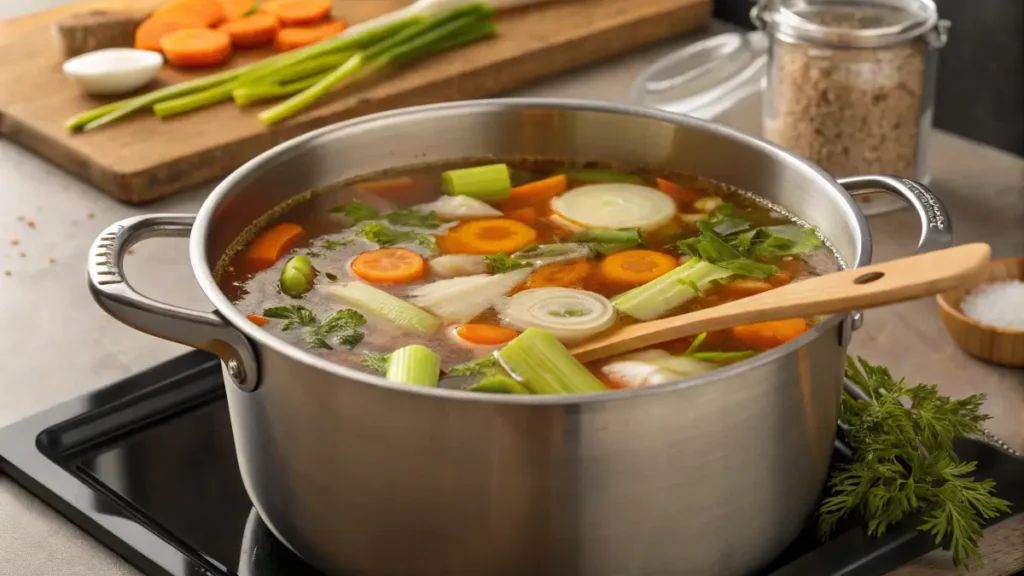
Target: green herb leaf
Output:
[(747, 267), (382, 235), (253, 9), (487, 365), (905, 464), (726, 222), (341, 328), (501, 263), (607, 242), (723, 356), (334, 244), (331, 276), (784, 240), (293, 314), (374, 362), (414, 219), (357, 211)]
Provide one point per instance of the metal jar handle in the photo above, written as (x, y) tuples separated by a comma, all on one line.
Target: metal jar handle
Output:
[(936, 226), (113, 293)]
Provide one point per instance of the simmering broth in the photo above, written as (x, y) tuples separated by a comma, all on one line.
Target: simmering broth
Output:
[(516, 246)]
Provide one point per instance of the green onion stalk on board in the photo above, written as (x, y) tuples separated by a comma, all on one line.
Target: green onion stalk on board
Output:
[(306, 75)]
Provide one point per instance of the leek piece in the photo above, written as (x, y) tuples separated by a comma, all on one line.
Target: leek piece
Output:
[(372, 300), (491, 182), (603, 175), (498, 385), (666, 292), (545, 366), (414, 364), (607, 242)]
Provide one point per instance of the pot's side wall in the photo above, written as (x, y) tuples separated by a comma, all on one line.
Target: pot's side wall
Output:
[(713, 479)]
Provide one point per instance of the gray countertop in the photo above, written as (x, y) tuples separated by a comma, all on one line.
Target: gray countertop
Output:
[(57, 344)]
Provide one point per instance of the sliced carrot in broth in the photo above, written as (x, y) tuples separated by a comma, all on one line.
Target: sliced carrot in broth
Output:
[(258, 320), (488, 236), (743, 287), (526, 215), (269, 246), (485, 334), (767, 335), (677, 192), (389, 266), (563, 274), (636, 267)]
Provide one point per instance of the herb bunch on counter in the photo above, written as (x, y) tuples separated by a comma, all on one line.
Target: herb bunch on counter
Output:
[(904, 463)]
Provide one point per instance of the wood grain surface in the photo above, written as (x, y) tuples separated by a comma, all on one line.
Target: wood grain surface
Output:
[(144, 158)]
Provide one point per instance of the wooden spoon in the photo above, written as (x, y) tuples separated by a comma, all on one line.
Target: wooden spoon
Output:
[(868, 287)]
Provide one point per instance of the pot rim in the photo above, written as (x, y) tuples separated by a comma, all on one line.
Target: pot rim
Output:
[(203, 270)]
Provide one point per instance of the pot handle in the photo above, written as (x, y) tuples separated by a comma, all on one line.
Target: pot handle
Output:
[(115, 295), (936, 227)]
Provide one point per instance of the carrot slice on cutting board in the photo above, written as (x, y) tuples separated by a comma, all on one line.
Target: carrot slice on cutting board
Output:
[(292, 37), (297, 12), (209, 12), (389, 266), (235, 9), (485, 334), (152, 30), (251, 31), (269, 246), (196, 48)]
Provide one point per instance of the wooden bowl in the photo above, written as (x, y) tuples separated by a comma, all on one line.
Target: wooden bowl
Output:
[(994, 344)]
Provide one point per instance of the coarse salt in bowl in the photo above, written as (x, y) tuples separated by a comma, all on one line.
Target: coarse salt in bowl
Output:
[(997, 304), (986, 319)]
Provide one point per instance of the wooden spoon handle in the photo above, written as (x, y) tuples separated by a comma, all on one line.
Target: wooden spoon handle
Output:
[(868, 287)]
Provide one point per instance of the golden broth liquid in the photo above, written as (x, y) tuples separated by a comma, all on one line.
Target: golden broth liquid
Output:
[(331, 247)]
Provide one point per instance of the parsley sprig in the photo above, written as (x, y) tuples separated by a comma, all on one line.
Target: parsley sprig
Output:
[(340, 328), (905, 465), (500, 263)]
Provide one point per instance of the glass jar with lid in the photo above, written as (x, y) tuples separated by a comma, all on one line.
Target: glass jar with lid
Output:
[(847, 84)]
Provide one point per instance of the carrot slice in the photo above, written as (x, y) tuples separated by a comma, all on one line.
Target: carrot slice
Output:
[(541, 190), (636, 267), (679, 193), (743, 287), (293, 37), (251, 31), (485, 334), (152, 30), (780, 279), (389, 266), (268, 247), (297, 12), (235, 9), (526, 215), (257, 319), (766, 335), (209, 12), (196, 48), (488, 236), (564, 274)]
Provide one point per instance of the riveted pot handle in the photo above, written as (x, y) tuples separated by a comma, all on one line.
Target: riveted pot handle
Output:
[(203, 330), (936, 227)]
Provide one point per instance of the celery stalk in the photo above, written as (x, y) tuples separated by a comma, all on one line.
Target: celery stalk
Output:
[(414, 364), (498, 385), (661, 295), (545, 366), (491, 182), (398, 312)]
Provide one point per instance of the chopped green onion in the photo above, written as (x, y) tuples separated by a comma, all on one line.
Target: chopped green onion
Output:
[(297, 276), (491, 182), (243, 96), (414, 364), (498, 385), (603, 175), (723, 356), (607, 242), (670, 290), (545, 366), (398, 312)]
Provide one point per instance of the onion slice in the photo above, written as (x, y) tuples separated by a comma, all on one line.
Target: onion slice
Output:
[(465, 298), (616, 205), (460, 208), (570, 315)]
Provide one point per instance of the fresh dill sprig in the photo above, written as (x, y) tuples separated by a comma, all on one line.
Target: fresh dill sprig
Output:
[(905, 465)]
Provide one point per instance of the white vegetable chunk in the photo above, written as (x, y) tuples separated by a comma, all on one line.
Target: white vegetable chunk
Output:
[(460, 208), (462, 299), (454, 265), (568, 314)]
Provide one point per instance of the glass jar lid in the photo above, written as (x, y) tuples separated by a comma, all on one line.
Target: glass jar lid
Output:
[(851, 23)]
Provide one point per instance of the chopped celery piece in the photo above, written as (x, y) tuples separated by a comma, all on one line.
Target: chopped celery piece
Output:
[(374, 301), (491, 182), (603, 175), (661, 295), (498, 385), (414, 364), (545, 366)]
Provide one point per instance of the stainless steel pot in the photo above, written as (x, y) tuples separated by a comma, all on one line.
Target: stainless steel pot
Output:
[(712, 475)]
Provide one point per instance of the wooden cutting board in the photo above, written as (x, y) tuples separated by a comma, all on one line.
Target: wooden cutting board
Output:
[(144, 158)]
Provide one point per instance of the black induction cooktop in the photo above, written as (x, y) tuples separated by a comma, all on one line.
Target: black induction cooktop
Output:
[(147, 467)]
